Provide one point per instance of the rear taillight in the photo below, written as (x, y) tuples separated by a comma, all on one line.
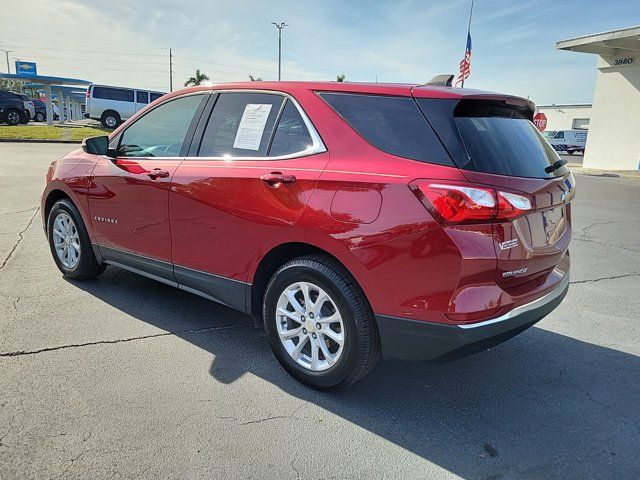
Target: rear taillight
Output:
[(466, 203)]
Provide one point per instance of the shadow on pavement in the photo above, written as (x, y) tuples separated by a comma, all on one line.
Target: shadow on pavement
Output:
[(542, 405)]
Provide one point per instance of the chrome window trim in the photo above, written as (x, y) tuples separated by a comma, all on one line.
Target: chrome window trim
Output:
[(528, 306), (317, 145)]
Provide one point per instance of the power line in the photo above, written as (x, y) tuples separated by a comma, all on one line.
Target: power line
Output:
[(27, 47)]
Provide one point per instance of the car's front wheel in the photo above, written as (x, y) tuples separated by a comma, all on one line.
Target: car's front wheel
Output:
[(319, 324), (40, 117), (110, 119), (12, 117), (70, 244)]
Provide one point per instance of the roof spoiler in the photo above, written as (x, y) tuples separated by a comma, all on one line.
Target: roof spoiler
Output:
[(441, 81)]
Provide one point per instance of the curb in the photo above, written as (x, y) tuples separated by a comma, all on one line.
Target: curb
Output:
[(33, 140), (592, 172)]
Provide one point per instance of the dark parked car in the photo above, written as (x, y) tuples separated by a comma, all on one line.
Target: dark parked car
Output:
[(12, 109), (41, 110), (351, 220)]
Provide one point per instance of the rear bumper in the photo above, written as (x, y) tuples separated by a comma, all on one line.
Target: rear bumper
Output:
[(405, 339)]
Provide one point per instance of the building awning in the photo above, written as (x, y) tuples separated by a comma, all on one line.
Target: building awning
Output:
[(615, 42), (46, 80)]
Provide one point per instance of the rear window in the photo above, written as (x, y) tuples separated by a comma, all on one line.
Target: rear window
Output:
[(393, 124), (497, 139), (118, 94)]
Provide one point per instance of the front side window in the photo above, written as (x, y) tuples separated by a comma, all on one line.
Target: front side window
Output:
[(118, 94), (560, 135), (161, 132), (291, 134), (142, 97), (240, 125), (155, 96)]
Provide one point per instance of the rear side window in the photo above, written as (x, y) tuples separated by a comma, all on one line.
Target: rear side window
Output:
[(161, 132), (155, 96), (291, 134), (118, 94), (240, 125), (142, 97), (393, 124)]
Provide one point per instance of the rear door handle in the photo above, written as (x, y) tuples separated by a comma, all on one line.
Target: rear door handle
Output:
[(157, 173), (274, 179)]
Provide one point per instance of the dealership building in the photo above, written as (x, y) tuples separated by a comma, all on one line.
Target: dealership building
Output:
[(575, 116), (614, 117)]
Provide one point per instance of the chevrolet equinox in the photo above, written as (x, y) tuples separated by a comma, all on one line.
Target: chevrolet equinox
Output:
[(416, 222)]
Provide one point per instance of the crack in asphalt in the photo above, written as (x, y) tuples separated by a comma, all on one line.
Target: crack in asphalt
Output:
[(190, 331), (20, 238), (19, 211), (626, 275)]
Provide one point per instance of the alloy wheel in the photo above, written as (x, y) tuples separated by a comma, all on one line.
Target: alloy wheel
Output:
[(310, 326), (66, 240)]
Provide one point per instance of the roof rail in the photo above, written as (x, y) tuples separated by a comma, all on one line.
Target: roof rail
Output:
[(445, 80)]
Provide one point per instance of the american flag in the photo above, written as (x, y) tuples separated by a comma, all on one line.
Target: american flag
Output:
[(465, 64)]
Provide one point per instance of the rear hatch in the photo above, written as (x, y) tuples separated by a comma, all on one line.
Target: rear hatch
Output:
[(495, 144)]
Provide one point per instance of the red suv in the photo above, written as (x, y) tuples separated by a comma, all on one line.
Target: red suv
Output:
[(351, 220)]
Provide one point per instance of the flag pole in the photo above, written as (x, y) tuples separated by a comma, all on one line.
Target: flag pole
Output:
[(468, 33)]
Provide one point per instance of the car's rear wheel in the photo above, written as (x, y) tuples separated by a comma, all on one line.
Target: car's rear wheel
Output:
[(39, 117), (70, 244), (319, 324), (110, 119), (12, 117)]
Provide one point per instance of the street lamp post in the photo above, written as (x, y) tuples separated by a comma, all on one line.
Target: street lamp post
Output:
[(280, 27), (6, 52)]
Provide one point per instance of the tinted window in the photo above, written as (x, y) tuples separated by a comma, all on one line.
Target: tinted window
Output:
[(291, 134), (507, 145), (155, 96), (142, 97), (119, 94), (240, 125), (560, 135), (393, 124), (161, 132)]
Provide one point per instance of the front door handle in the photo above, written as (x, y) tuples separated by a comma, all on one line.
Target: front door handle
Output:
[(274, 179), (157, 173)]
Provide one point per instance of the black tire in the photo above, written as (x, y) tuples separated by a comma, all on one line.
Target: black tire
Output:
[(110, 119), (570, 152), (40, 117), (88, 266), (26, 117), (12, 116), (361, 350)]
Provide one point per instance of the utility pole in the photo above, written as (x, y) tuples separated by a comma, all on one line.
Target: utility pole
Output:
[(6, 52), (170, 71), (280, 27)]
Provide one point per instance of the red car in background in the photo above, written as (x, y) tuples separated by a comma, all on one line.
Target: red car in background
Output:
[(353, 220)]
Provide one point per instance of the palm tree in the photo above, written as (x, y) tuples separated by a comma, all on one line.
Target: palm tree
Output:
[(341, 78), (197, 79), (255, 79)]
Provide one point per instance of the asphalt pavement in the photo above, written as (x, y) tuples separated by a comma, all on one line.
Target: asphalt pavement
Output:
[(123, 377)]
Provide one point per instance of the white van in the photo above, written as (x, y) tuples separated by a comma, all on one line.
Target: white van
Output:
[(112, 105), (569, 141)]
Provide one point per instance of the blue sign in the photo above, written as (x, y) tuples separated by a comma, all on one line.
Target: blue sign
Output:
[(27, 69)]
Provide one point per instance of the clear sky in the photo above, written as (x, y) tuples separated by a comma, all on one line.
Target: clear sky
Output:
[(393, 41)]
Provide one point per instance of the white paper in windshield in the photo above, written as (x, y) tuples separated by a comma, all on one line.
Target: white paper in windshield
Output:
[(252, 126)]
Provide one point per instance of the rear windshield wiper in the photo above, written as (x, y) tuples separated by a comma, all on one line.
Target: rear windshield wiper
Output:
[(552, 168)]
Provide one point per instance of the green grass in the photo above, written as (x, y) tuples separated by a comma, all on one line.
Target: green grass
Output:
[(28, 132)]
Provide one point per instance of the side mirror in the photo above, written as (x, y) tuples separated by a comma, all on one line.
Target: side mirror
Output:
[(98, 146)]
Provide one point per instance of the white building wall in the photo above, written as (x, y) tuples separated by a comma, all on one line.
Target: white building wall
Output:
[(560, 117), (614, 132)]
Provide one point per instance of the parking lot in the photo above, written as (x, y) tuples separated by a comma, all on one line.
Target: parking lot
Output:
[(123, 377)]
